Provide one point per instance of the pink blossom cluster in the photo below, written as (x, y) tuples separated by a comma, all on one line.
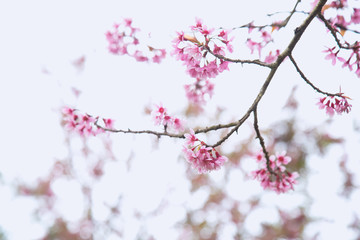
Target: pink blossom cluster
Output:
[(161, 117), (334, 104), (341, 25), (272, 58), (340, 20), (352, 60), (279, 180), (199, 90), (83, 124), (193, 50), (334, 4), (196, 51), (200, 156), (123, 37), (264, 39)]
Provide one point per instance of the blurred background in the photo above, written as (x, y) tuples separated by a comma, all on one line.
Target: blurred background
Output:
[(57, 185)]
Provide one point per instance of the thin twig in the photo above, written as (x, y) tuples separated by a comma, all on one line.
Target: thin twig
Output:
[(333, 32), (158, 134), (274, 66), (261, 140), (256, 61), (308, 81), (279, 25), (296, 11)]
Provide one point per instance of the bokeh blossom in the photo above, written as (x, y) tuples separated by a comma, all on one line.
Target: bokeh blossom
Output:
[(83, 124), (123, 38), (277, 179)]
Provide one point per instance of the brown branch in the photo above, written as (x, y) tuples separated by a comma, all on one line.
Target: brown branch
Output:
[(333, 32), (158, 134), (256, 61), (308, 81), (279, 25), (274, 66), (296, 11), (261, 140), (285, 22)]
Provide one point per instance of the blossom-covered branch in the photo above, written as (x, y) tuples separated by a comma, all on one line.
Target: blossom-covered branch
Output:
[(203, 52)]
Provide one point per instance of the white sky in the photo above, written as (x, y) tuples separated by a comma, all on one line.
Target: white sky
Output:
[(37, 35)]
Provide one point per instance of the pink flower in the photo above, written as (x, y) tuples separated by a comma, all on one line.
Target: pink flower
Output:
[(282, 159), (193, 50), (338, 4), (357, 72), (259, 157), (346, 62), (191, 138), (140, 57), (161, 117), (339, 21), (178, 125), (331, 55), (201, 157), (109, 123), (313, 4), (334, 104), (254, 45), (201, 28), (199, 90), (225, 39), (123, 36), (159, 55), (83, 124), (272, 58), (167, 120), (355, 17), (266, 36), (278, 180)]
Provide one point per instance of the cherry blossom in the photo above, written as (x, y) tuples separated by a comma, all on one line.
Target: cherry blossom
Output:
[(199, 90), (278, 179), (109, 123), (263, 38), (272, 58), (254, 46), (123, 36), (161, 117), (334, 105), (83, 124), (193, 50), (355, 17), (200, 156), (332, 56)]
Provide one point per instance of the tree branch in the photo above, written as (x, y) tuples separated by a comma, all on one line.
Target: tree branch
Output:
[(273, 66), (256, 61), (308, 81), (261, 140), (333, 32), (279, 25), (158, 134)]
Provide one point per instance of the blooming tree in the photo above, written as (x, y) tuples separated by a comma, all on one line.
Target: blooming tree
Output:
[(206, 53)]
